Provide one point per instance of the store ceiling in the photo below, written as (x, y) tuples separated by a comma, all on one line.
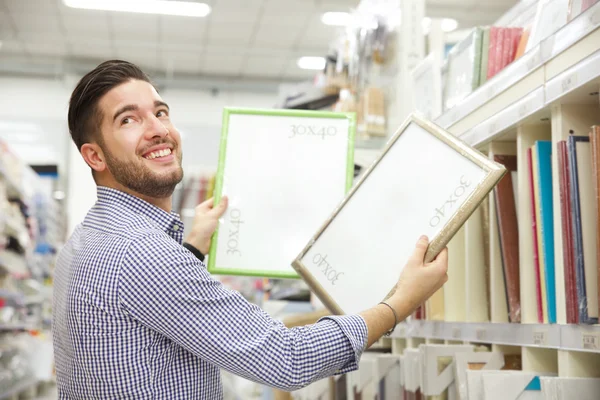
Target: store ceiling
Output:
[(241, 39)]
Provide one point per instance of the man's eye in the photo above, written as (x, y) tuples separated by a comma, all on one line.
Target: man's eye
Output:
[(162, 113), (125, 120)]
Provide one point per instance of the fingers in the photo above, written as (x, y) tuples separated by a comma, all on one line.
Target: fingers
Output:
[(220, 208), (206, 204), (421, 248), (440, 264)]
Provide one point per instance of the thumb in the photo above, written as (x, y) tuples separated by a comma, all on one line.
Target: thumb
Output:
[(220, 208), (421, 249)]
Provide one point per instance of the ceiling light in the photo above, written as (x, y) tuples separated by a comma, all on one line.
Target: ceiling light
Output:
[(449, 24), (58, 195), (165, 7), (316, 63), (336, 18)]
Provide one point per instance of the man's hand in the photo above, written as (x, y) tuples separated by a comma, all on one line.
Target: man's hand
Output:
[(419, 280), (206, 219)]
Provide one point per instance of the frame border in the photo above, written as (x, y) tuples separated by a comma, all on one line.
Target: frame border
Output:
[(495, 171), (212, 265)]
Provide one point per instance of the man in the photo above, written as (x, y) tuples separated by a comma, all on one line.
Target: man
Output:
[(136, 314)]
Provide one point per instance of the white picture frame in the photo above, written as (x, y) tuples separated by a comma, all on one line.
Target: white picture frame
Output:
[(425, 182), (283, 172)]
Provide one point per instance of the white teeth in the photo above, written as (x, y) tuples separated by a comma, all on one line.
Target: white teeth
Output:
[(160, 153)]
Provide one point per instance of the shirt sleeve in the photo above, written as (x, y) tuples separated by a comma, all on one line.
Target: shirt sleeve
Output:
[(168, 290)]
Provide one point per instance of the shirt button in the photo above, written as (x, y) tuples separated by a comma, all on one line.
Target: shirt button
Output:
[(176, 228)]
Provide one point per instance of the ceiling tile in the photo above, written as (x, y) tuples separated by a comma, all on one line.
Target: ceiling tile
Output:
[(41, 37), (86, 26), (136, 27), (180, 61), (11, 46), (297, 8), (221, 65), (142, 59), (56, 48), (238, 34), (85, 50), (264, 66), (176, 47), (235, 11), (32, 7), (68, 14), (6, 28), (185, 30), (26, 22), (281, 18), (276, 36), (101, 39)]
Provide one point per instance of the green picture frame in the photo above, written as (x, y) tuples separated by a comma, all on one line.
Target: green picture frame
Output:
[(213, 265)]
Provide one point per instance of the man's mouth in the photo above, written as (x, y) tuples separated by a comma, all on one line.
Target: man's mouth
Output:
[(158, 154)]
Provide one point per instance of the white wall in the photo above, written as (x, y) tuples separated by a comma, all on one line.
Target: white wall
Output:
[(44, 102)]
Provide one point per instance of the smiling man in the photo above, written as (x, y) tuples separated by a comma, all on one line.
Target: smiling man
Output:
[(136, 314)]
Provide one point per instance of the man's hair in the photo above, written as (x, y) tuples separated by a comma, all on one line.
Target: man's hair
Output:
[(84, 115)]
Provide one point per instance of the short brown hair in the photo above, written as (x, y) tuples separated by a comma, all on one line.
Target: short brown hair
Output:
[(84, 115)]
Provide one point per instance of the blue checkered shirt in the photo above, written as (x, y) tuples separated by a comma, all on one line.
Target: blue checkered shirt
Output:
[(137, 316)]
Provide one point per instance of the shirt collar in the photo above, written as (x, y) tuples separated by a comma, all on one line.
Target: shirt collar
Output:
[(168, 222)]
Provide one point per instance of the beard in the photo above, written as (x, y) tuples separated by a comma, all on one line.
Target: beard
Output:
[(135, 175)]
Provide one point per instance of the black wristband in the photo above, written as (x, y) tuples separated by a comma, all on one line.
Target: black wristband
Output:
[(194, 251)]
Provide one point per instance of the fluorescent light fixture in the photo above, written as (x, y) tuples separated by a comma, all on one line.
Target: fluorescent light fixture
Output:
[(316, 63), (58, 195), (165, 7), (334, 18), (449, 24)]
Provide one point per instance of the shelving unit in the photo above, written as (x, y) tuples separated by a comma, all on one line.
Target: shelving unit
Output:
[(549, 93), (31, 232)]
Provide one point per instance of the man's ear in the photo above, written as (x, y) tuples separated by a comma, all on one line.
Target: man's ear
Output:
[(93, 156)]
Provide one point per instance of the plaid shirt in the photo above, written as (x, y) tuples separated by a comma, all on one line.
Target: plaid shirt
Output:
[(137, 316)]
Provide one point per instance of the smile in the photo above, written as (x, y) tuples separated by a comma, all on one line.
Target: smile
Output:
[(158, 153)]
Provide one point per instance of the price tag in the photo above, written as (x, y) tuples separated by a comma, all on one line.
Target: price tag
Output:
[(540, 338), (480, 334), (456, 333), (591, 341), (569, 83)]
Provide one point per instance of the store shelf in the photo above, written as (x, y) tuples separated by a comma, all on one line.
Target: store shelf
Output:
[(564, 337), (563, 68), (374, 143), (14, 190), (15, 327), (576, 84), (510, 117), (512, 76), (17, 389)]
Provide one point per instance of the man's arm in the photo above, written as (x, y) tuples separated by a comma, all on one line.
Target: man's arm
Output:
[(166, 289), (417, 283)]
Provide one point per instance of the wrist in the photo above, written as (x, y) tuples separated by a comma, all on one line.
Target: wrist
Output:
[(401, 304), (195, 251)]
